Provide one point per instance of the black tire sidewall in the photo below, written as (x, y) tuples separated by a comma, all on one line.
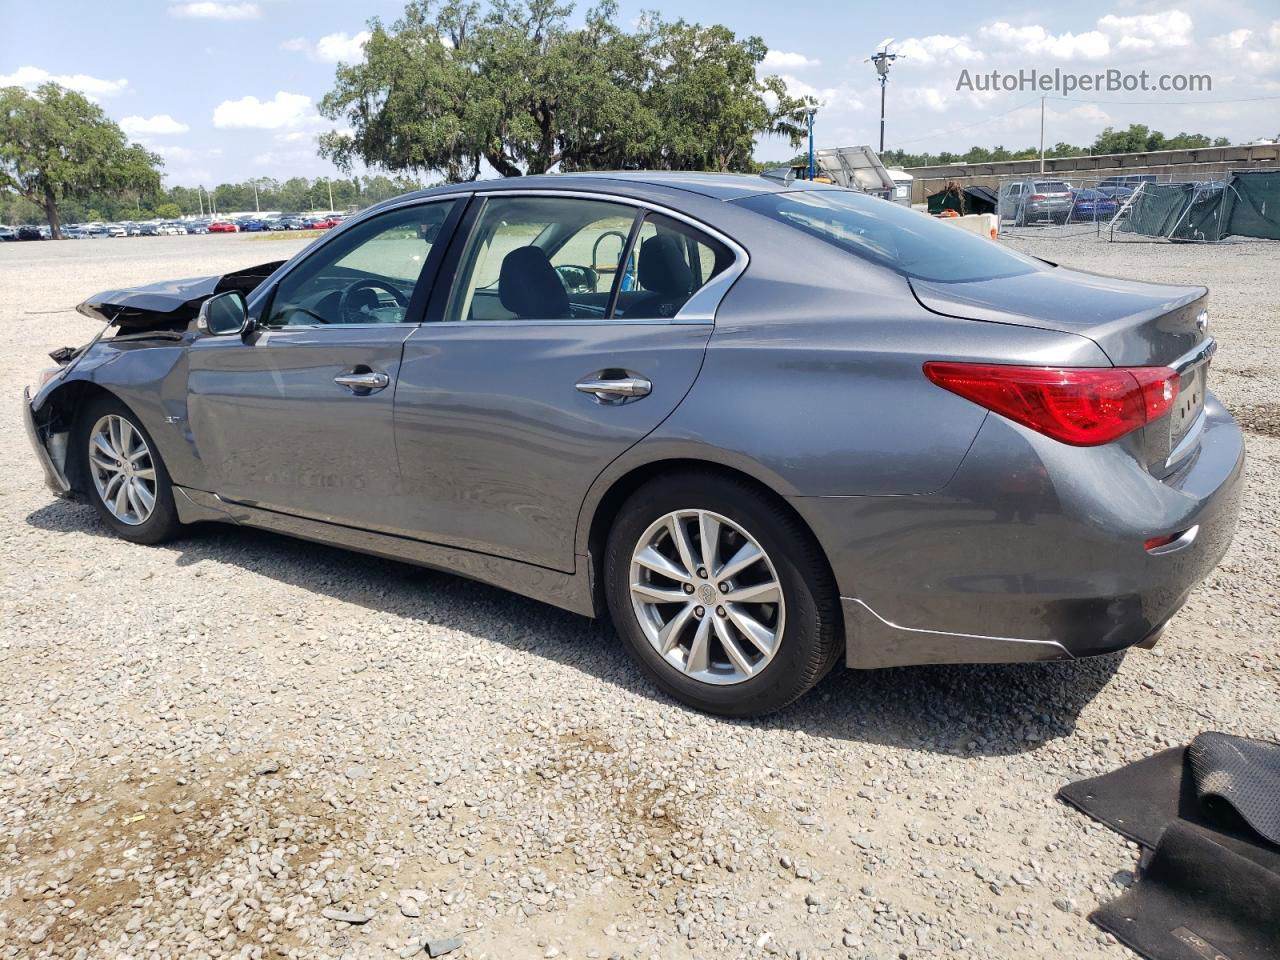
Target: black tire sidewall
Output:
[(809, 634), (163, 523)]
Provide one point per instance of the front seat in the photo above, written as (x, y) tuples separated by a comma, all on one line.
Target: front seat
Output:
[(665, 272), (530, 288)]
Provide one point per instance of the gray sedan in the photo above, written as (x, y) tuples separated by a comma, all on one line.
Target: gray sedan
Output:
[(765, 428)]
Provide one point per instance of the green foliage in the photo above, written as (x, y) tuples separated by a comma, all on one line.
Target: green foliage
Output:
[(1137, 139), (295, 195), (449, 85), (55, 144)]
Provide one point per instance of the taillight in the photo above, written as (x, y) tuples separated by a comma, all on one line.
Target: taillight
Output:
[(1038, 196), (1082, 406)]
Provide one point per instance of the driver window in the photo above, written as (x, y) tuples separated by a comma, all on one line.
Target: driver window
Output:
[(541, 258), (365, 275)]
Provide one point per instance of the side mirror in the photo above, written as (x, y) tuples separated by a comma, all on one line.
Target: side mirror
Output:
[(224, 314)]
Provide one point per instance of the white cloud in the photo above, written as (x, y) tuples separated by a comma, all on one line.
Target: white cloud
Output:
[(1155, 31), (1254, 51), (782, 60), (217, 11), (940, 48), (331, 48), (159, 124), (32, 77), (283, 110), (1037, 41)]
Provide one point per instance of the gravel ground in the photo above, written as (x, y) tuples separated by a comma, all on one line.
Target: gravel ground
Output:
[(242, 745)]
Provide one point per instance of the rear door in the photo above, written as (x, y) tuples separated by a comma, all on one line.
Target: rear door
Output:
[(298, 416), (574, 326)]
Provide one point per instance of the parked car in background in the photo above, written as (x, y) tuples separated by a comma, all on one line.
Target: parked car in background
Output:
[(8, 233), (29, 231), (133, 229), (317, 223), (287, 223), (1123, 186), (630, 394), (1091, 204), (97, 232), (198, 226), (171, 228), (223, 226), (73, 231), (1027, 202), (253, 226), (116, 230)]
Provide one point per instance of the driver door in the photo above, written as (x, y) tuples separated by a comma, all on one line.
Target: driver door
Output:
[(297, 416)]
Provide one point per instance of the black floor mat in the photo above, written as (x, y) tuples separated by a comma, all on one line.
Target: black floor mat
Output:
[(1197, 900), (1209, 882), (1140, 800)]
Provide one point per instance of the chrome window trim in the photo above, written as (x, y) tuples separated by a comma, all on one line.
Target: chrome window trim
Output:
[(699, 308)]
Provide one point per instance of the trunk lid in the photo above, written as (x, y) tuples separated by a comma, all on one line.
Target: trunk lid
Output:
[(1135, 324)]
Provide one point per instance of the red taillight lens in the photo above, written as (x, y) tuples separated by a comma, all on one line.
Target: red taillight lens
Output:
[(1038, 196), (1082, 406)]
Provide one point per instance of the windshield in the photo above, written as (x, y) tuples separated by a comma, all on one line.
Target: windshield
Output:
[(906, 241)]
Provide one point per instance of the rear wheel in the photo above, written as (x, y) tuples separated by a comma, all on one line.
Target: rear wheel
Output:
[(721, 594), (125, 478)]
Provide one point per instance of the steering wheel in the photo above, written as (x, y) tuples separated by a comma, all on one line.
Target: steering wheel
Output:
[(368, 283)]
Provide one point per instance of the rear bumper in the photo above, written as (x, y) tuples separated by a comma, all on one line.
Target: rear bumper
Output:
[(1033, 551), (54, 478)]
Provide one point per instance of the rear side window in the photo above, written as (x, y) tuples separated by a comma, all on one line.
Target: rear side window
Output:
[(669, 262), (888, 234)]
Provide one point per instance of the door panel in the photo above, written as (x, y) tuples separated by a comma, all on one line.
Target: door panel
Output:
[(498, 447), (274, 429)]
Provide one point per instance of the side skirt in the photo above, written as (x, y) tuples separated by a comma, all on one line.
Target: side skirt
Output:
[(569, 591)]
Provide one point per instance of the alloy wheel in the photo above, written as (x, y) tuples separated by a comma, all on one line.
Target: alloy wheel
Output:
[(707, 596), (123, 469)]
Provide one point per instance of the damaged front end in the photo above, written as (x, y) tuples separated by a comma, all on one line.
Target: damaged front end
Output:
[(142, 318)]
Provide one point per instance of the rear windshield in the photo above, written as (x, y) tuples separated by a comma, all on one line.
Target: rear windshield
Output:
[(906, 241), (1052, 186)]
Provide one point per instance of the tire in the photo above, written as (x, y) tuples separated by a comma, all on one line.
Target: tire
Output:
[(806, 647), (158, 524)]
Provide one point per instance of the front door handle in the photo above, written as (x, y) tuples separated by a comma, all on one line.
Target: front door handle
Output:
[(614, 390), (365, 382)]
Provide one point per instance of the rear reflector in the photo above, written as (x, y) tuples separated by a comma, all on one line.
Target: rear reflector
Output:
[(1082, 406)]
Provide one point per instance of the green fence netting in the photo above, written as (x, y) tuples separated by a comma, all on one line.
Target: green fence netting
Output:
[(1246, 205)]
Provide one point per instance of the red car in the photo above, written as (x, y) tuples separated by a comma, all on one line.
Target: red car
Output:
[(319, 223), (223, 226)]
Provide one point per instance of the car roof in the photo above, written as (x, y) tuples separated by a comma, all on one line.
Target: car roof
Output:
[(716, 186)]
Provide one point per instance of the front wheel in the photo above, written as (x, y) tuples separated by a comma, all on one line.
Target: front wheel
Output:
[(721, 594), (125, 478)]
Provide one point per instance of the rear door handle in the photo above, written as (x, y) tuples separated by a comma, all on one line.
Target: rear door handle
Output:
[(369, 381), (615, 390)]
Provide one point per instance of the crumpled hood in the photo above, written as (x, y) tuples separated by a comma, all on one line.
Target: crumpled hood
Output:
[(172, 302)]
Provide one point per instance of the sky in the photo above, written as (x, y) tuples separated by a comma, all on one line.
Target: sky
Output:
[(224, 91)]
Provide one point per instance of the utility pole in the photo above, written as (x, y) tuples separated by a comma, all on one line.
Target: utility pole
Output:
[(330, 183), (1042, 135), (812, 111), (256, 207), (200, 199), (883, 60)]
